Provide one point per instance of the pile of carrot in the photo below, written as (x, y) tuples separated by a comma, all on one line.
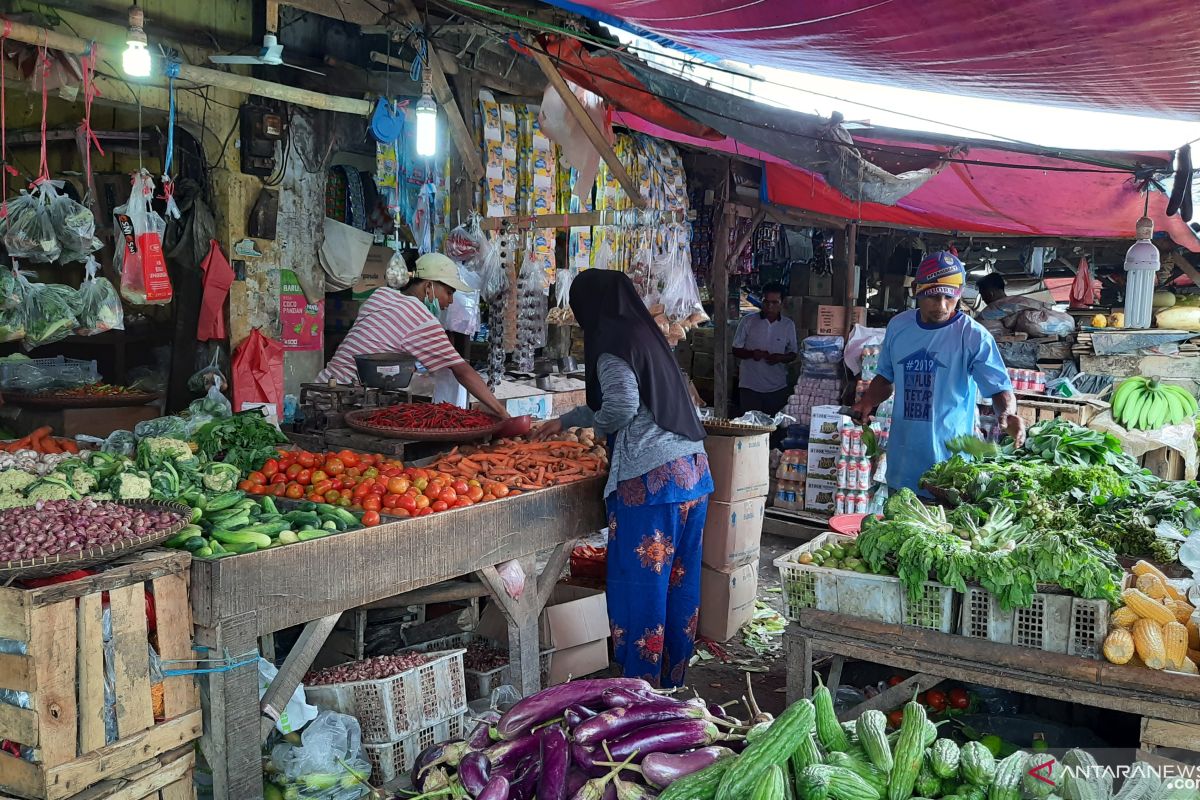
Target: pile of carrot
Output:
[(525, 465), (41, 441)]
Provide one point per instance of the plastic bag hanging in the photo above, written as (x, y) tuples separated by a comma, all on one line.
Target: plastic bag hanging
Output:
[(467, 245), (100, 307), (12, 317), (75, 228), (138, 256), (29, 235), (51, 314)]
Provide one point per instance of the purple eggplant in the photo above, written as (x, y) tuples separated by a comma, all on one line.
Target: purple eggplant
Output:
[(509, 754), (592, 789), (480, 737), (431, 779), (431, 756), (576, 714), (496, 789), (585, 759), (549, 703), (627, 790), (610, 791), (524, 781), (555, 759), (663, 769), (624, 696), (616, 722), (720, 713), (474, 771), (664, 737), (575, 781)]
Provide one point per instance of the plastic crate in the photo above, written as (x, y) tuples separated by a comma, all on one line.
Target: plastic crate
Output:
[(35, 374), (394, 707), (857, 594), (392, 760), (1056, 623), (479, 683)]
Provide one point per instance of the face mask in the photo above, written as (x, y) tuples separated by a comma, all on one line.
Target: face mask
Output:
[(434, 306)]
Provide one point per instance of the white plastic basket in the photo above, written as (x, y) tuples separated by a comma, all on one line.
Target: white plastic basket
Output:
[(481, 683), (1056, 623), (857, 594), (392, 760), (35, 373), (394, 707)]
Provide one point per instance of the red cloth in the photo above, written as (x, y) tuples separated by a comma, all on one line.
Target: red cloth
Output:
[(218, 277), (1116, 55)]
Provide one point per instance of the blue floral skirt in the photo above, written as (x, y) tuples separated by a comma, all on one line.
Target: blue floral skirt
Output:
[(655, 531)]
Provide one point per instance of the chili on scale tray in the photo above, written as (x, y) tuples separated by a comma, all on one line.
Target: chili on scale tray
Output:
[(428, 416)]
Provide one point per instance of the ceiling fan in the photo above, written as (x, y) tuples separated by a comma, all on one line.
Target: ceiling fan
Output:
[(271, 55)]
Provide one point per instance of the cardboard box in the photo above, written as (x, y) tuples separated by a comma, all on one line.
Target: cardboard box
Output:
[(727, 600), (573, 615), (831, 320), (575, 662), (822, 461), (373, 275), (819, 495), (732, 532), (820, 284), (740, 466), (825, 425)]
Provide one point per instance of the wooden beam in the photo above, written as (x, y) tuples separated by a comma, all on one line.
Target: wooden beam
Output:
[(851, 278), (894, 696), (467, 148), (298, 662), (720, 290), (358, 12), (593, 133), (31, 34)]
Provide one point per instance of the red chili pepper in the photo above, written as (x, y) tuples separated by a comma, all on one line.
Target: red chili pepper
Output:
[(426, 416)]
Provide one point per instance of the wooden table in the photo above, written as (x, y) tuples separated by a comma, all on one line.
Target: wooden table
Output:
[(935, 657), (236, 600)]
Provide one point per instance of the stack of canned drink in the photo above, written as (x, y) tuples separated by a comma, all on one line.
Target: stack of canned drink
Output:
[(1028, 380)]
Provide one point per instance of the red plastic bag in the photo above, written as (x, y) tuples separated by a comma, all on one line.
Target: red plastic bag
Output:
[(258, 373), (138, 255)]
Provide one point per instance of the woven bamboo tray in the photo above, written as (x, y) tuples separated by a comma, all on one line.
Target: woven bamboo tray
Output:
[(54, 402), (724, 427), (69, 562), (354, 421)]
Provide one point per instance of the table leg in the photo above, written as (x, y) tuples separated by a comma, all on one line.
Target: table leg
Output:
[(298, 661), (522, 615), (231, 742), (799, 667)]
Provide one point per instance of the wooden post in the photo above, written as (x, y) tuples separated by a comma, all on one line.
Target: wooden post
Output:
[(720, 292), (231, 742), (30, 34), (851, 278), (297, 663), (594, 134), (522, 617)]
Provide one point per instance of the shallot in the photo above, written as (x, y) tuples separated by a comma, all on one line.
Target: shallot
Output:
[(54, 527), (371, 669)]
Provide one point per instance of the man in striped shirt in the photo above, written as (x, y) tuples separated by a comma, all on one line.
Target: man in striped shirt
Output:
[(395, 320)]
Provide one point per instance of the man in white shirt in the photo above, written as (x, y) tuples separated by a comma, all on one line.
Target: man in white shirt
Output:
[(765, 343)]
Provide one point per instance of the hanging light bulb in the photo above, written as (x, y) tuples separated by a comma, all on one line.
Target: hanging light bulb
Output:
[(426, 111), (1141, 263), (135, 61)]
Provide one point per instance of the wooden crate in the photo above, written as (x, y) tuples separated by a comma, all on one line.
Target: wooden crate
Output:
[(62, 671), (1175, 742), (1039, 407), (171, 776), (1165, 463)]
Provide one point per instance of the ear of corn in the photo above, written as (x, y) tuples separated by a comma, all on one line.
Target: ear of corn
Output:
[(1148, 642), (1152, 585), (1193, 627), (1175, 644), (1118, 646), (1123, 617), (1146, 607), (1146, 568), (1183, 611), (1189, 667)]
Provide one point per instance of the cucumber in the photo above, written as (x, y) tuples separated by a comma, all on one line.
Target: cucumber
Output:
[(268, 505), (288, 537), (194, 544), (312, 533), (203, 552), (237, 538)]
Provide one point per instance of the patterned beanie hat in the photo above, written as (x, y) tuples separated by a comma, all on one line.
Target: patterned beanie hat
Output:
[(940, 273)]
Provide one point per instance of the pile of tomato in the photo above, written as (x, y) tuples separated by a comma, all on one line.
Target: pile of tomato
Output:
[(936, 701), (374, 484)]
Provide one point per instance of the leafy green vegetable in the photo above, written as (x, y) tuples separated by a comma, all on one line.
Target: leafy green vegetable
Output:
[(244, 440)]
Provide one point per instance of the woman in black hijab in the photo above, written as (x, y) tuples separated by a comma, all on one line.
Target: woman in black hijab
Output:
[(658, 483)]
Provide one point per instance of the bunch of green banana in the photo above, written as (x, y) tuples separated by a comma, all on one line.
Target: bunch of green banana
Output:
[(1145, 404)]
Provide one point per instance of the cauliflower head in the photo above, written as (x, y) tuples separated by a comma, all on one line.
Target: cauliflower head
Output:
[(10, 499), (51, 490), (15, 480), (160, 447), (132, 487)]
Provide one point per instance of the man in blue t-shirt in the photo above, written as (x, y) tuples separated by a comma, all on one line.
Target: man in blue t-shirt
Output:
[(937, 360)]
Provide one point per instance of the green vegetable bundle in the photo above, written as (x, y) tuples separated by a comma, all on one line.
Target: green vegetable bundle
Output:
[(245, 440), (51, 313)]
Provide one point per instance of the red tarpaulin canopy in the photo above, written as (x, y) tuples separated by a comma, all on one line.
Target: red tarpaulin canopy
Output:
[(1116, 55), (1020, 197)]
